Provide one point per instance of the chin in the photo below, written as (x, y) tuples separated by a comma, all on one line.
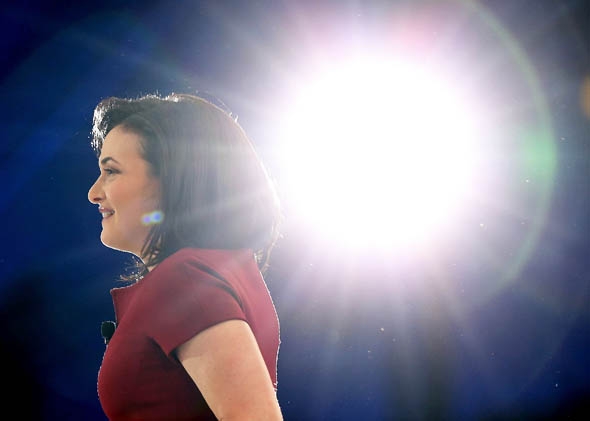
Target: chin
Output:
[(116, 245), (108, 242)]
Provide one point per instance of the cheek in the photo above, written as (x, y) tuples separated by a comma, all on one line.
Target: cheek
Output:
[(132, 203), (154, 195), (138, 215), (151, 202)]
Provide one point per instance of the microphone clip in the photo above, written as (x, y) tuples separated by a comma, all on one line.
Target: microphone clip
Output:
[(107, 329)]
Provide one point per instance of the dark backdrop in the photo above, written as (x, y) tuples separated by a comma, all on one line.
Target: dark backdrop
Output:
[(365, 336)]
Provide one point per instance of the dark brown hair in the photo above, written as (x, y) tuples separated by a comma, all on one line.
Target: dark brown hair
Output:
[(215, 191)]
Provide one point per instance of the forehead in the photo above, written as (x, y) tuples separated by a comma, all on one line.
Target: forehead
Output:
[(121, 144)]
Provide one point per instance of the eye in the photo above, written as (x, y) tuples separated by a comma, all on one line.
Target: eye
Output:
[(109, 171)]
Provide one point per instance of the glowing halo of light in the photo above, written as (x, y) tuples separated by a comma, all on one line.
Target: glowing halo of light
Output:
[(536, 144), (539, 157), (364, 113), (542, 155)]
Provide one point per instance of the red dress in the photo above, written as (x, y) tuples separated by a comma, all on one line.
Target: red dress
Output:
[(140, 377)]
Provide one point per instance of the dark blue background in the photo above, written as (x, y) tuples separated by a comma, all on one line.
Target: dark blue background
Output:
[(365, 336)]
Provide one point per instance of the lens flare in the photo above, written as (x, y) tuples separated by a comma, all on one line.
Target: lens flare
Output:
[(152, 218)]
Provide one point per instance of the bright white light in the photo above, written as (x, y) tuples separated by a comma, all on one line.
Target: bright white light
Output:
[(377, 152)]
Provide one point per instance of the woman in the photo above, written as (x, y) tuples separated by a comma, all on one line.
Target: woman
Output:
[(197, 335)]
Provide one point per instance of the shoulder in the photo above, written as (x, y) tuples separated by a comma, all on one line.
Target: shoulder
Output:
[(211, 261), (205, 265)]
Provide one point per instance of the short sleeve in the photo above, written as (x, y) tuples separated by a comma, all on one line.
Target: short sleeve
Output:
[(186, 298)]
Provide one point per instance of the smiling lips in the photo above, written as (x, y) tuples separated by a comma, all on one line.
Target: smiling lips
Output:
[(105, 212)]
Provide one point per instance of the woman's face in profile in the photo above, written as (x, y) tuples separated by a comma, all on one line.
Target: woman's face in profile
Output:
[(125, 192)]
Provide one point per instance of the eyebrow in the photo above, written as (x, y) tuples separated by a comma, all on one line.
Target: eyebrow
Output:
[(107, 159)]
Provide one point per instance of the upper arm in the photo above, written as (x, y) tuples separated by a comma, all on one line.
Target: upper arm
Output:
[(225, 363)]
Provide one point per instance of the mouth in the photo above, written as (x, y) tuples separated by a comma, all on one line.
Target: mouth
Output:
[(106, 213)]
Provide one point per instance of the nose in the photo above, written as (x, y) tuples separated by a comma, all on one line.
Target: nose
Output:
[(95, 194)]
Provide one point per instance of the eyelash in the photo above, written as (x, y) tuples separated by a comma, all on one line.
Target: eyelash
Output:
[(110, 171)]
